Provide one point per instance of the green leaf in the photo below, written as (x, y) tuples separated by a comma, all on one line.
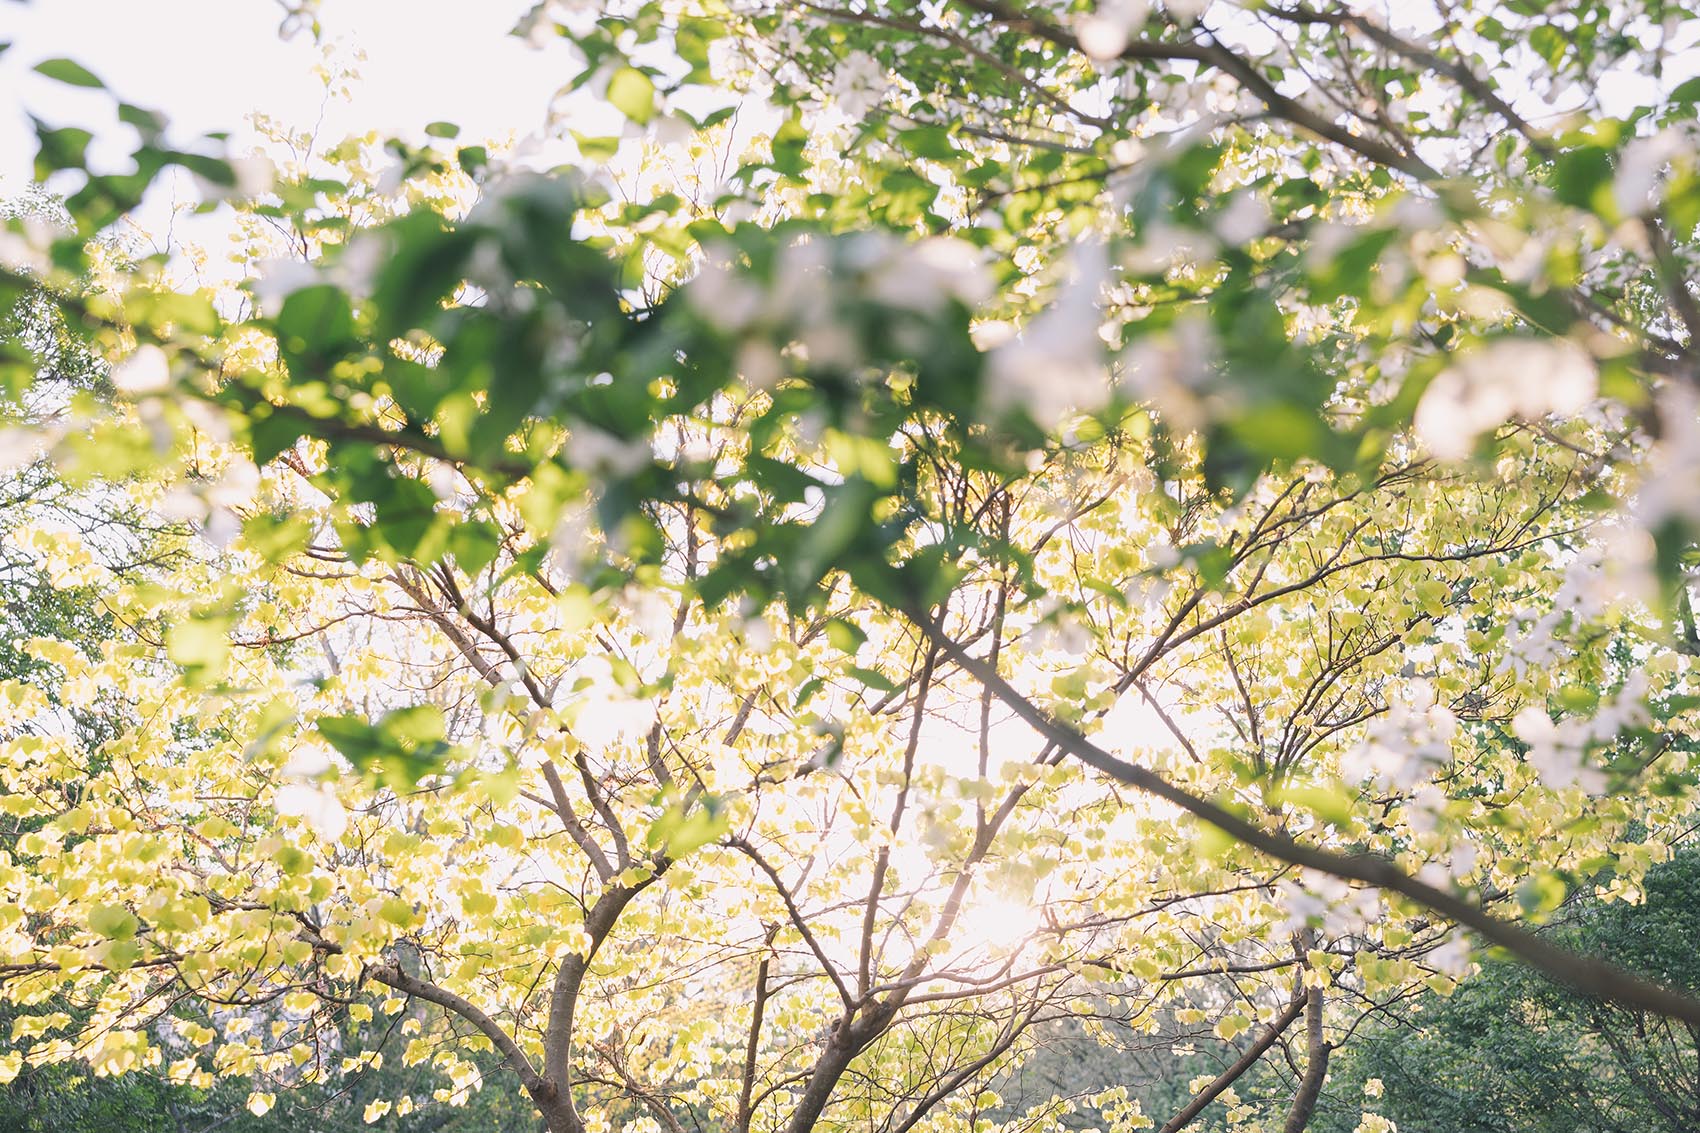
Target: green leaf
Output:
[(399, 749), (1541, 894), (1549, 42), (188, 312), (150, 124), (1583, 177), (277, 536), (845, 637), (632, 94), (272, 434), (789, 143), (474, 544), (443, 130), (596, 148), (1332, 804), (317, 316), (65, 148), (114, 922), (679, 832), (1432, 595), (472, 158), (931, 142), (68, 71), (293, 861), (691, 40), (872, 679), (716, 118), (201, 646), (396, 911), (407, 516)]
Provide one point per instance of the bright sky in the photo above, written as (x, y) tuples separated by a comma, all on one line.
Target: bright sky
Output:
[(209, 63)]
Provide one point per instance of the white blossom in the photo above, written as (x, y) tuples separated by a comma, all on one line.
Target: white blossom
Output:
[(1186, 11), (444, 480), (1452, 957), (181, 504), (1670, 481), (1319, 897), (255, 175), (919, 276), (1160, 247), (725, 297), (671, 130), (1638, 169), (1169, 369), (1464, 858), (540, 28), (1425, 808), (1508, 378), (1408, 742), (307, 761), (20, 447), (221, 527), (1056, 364), (1556, 751), (26, 248), (357, 264), (1107, 30), (593, 450), (602, 714), (236, 486), (828, 343), (278, 279), (802, 288), (859, 84), (569, 541), (147, 370), (759, 363), (1614, 572), (1243, 220), (318, 804)]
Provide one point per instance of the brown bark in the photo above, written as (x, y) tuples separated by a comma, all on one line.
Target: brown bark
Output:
[(1232, 1074), (1316, 1065), (751, 1048), (1583, 973)]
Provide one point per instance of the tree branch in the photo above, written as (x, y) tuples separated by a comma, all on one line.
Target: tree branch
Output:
[(1240, 1065), (1594, 977)]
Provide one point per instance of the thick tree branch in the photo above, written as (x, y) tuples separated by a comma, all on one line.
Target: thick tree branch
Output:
[(575, 828), (1240, 1065), (599, 922), (798, 921), (1594, 977), (752, 1046), (392, 975)]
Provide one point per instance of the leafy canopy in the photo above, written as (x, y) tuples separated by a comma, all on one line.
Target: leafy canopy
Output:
[(969, 516)]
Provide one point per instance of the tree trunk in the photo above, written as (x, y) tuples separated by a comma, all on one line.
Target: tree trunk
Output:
[(557, 1117), (829, 1068), (1316, 1066)]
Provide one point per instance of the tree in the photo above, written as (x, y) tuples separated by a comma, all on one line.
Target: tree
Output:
[(665, 643), (1513, 1051), (126, 540)]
